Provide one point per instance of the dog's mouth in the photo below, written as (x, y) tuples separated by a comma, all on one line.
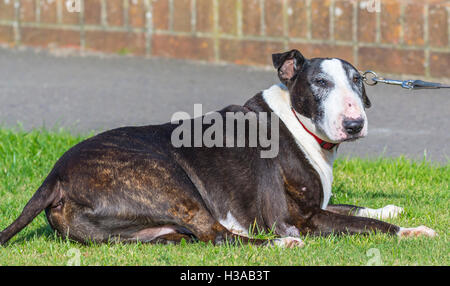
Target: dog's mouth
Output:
[(342, 137), (352, 138)]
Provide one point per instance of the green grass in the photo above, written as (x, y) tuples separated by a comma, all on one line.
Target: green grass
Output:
[(420, 187)]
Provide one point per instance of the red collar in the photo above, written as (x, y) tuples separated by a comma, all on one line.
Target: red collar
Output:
[(324, 144)]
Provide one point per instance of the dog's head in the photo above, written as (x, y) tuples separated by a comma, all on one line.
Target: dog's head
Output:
[(328, 92)]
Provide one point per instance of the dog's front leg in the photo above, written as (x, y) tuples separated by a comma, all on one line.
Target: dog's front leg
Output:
[(389, 211), (324, 222)]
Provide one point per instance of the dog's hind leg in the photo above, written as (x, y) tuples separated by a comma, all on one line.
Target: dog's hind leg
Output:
[(157, 235)]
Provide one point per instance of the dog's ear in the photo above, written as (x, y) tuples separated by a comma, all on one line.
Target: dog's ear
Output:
[(366, 100), (288, 64)]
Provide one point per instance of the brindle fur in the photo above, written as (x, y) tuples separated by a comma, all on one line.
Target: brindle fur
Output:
[(127, 184)]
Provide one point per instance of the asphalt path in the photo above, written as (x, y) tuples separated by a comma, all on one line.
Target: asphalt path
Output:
[(97, 92)]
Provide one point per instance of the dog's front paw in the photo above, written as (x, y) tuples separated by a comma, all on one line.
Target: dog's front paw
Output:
[(416, 232), (389, 211), (288, 242)]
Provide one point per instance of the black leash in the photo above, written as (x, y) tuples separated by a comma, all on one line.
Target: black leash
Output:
[(374, 79)]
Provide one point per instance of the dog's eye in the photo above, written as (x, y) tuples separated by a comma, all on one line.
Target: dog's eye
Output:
[(321, 82), (356, 78)]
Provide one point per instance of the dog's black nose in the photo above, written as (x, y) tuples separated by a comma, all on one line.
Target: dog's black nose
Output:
[(353, 126)]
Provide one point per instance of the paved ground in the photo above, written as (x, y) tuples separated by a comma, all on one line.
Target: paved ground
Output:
[(97, 93)]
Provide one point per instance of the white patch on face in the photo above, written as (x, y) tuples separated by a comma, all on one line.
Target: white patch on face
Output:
[(341, 102), (321, 160), (233, 225)]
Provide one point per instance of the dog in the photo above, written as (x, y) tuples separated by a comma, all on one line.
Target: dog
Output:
[(131, 184)]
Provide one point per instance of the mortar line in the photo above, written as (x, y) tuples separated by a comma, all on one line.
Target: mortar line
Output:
[(171, 8), (308, 20), (104, 15), (216, 36), (193, 16), (148, 27), (332, 19), (402, 22), (81, 20), (38, 11), (426, 37), (448, 25), (285, 25), (378, 25), (59, 11), (263, 17), (125, 13), (355, 33), (16, 25), (239, 14)]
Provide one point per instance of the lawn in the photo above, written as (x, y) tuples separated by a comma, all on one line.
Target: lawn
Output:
[(420, 187)]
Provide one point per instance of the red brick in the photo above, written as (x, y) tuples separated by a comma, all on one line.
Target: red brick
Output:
[(114, 12), (273, 18), (44, 37), (28, 11), (92, 12), (414, 24), (136, 13), (161, 14), (392, 60), (228, 17), (48, 12), (183, 47), (343, 17), (249, 52), (251, 17), (390, 21), (297, 14), (320, 17), (182, 15), (205, 15), (439, 64), (70, 18), (7, 11), (438, 26), (324, 51), (366, 25), (116, 42), (6, 34)]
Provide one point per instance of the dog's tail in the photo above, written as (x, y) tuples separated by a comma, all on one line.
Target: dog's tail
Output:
[(44, 197)]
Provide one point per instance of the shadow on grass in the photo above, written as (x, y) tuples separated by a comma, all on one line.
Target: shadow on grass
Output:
[(42, 232), (342, 189)]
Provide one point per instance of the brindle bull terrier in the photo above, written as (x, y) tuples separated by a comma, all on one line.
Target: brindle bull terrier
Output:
[(132, 184)]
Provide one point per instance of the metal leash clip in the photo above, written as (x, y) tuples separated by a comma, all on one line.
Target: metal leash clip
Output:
[(373, 79)]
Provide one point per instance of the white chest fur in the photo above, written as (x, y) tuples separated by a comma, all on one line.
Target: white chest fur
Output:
[(321, 160)]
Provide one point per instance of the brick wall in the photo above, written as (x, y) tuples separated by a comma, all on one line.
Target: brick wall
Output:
[(406, 37)]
